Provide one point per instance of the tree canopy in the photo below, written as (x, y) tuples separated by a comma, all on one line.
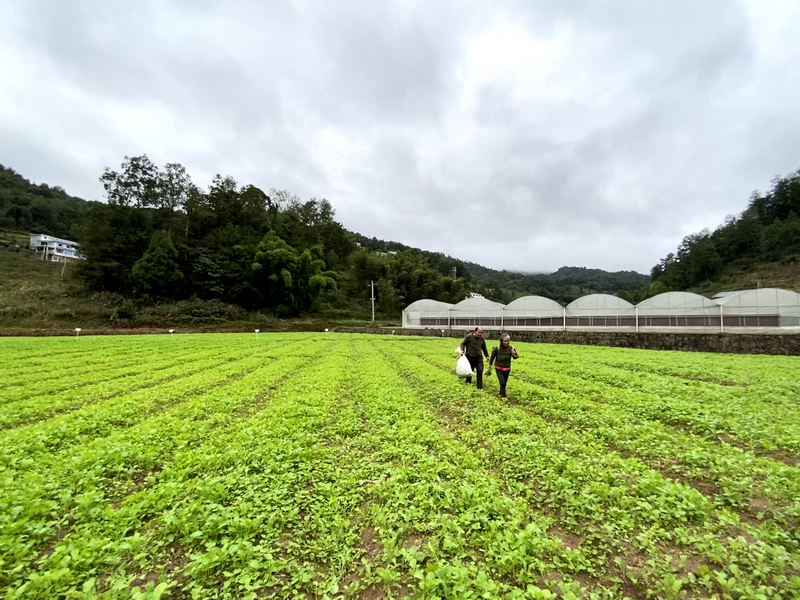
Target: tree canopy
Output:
[(28, 207), (157, 273), (289, 281), (767, 230)]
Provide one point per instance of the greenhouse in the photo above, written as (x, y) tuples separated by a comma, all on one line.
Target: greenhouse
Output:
[(601, 310), (677, 309), (766, 310), (477, 311), (427, 313), (533, 311), (762, 308)]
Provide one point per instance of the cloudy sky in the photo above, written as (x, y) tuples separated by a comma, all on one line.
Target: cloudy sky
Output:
[(522, 135)]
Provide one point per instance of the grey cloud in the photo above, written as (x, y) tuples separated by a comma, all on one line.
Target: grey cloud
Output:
[(648, 126)]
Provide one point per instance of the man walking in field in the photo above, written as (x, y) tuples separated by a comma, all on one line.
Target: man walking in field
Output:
[(473, 345)]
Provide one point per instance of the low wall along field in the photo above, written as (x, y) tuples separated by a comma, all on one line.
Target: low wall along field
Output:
[(738, 343), (300, 465)]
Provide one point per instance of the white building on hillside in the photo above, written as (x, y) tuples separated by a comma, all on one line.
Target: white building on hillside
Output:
[(55, 249)]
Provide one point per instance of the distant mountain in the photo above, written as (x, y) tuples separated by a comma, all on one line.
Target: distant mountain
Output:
[(583, 274), (533, 272), (564, 285)]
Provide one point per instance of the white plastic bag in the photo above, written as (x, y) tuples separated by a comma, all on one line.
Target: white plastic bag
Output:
[(463, 368)]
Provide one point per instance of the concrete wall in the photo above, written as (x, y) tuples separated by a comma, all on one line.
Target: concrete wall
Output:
[(739, 343)]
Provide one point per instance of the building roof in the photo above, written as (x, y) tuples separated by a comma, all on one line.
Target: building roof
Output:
[(53, 238)]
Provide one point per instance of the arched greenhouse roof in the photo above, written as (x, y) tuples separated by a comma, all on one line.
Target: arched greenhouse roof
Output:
[(599, 304), (762, 301), (678, 303), (478, 306), (533, 306), (426, 305)]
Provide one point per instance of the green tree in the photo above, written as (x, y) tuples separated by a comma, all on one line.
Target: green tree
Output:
[(225, 200), (701, 261), (157, 273), (657, 287), (138, 183), (254, 204), (783, 198), (697, 261), (289, 281), (738, 237), (389, 301), (174, 186), (782, 238), (112, 237)]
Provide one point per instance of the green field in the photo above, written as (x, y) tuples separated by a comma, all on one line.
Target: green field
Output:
[(295, 466)]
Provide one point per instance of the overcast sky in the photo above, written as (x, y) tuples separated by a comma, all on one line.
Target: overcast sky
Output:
[(525, 135)]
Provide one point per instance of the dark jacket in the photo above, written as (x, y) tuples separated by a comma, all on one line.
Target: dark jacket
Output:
[(473, 346), (502, 356)]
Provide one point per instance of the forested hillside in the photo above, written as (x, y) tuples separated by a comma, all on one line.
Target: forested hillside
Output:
[(161, 238), (25, 206), (766, 232), (564, 285)]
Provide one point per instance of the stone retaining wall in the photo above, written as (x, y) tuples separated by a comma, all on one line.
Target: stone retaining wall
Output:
[(788, 344)]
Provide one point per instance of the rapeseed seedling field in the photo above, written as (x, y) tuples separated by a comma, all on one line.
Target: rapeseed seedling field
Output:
[(295, 466)]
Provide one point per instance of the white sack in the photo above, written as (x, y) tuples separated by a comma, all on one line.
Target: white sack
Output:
[(463, 368)]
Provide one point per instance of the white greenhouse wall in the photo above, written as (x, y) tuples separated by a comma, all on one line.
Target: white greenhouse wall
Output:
[(766, 310)]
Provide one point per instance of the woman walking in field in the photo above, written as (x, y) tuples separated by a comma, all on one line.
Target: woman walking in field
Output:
[(501, 359)]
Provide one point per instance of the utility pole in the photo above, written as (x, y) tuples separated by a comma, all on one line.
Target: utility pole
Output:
[(372, 294)]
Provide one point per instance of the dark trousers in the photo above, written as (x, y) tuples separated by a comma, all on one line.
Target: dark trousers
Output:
[(502, 379), (476, 362)]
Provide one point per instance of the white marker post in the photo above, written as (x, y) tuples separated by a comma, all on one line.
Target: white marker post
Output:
[(392, 331), (442, 333), (257, 330), (326, 334), (77, 332), (171, 331)]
